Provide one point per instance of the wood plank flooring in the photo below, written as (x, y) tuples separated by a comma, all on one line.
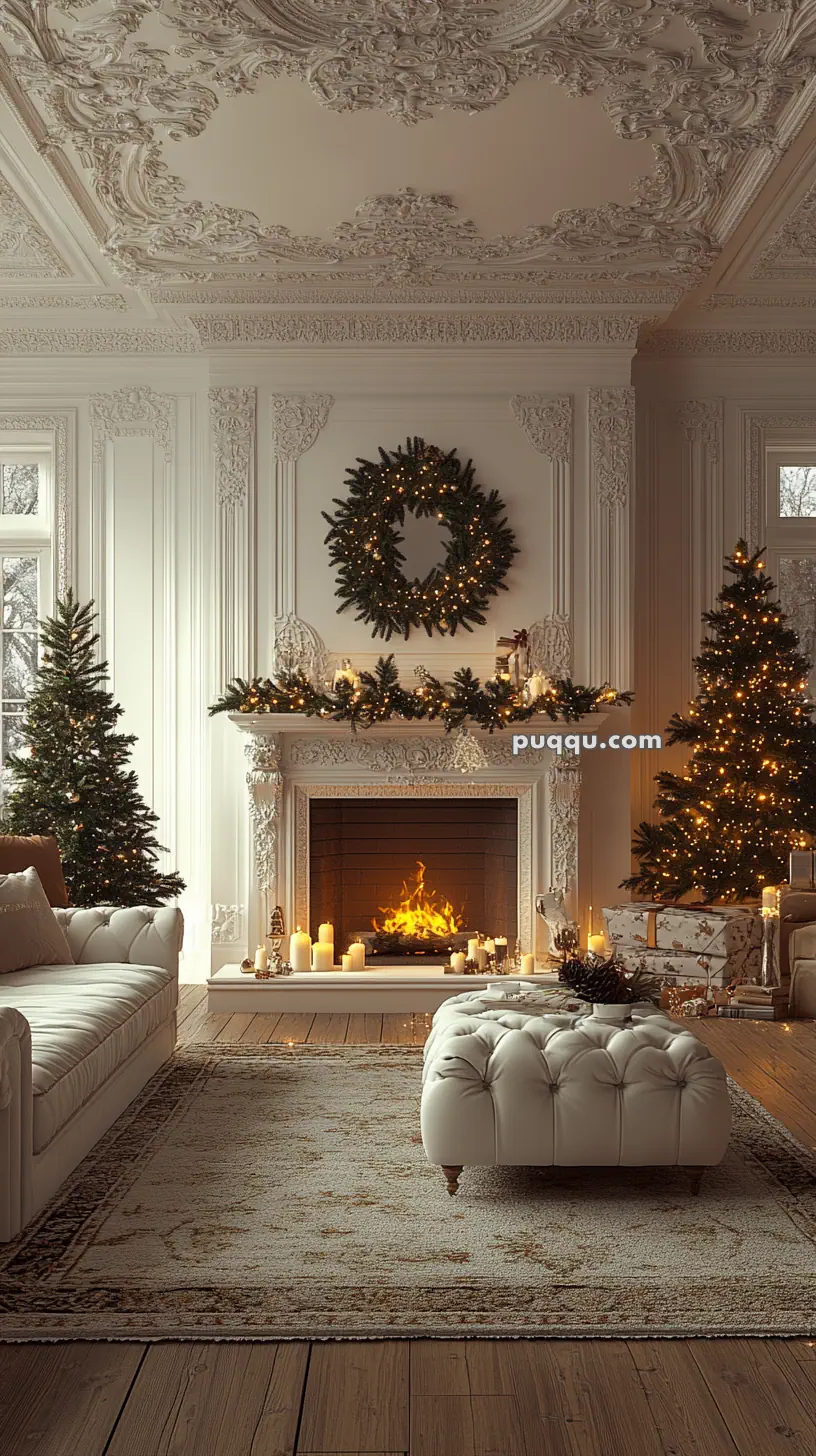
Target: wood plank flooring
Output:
[(432, 1397)]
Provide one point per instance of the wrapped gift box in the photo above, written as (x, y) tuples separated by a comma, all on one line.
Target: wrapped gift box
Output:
[(731, 934), (680, 968)]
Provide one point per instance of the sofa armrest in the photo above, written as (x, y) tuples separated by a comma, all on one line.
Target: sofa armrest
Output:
[(803, 944), (138, 935), (16, 1113)]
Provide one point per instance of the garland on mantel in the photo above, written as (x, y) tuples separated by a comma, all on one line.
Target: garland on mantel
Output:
[(378, 696)]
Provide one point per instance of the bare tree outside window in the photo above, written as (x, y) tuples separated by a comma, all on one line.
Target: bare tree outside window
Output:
[(18, 646), (797, 490), (797, 592)]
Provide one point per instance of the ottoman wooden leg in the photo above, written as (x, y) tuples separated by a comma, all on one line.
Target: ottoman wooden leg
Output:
[(452, 1175), (696, 1178)]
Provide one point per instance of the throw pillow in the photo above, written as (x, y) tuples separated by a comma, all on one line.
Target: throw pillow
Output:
[(29, 933), (19, 851)]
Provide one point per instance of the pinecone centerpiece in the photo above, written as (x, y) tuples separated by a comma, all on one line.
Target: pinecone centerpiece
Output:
[(608, 986)]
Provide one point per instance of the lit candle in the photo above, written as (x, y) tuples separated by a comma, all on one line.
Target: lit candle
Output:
[(300, 950), (473, 946), (357, 952), (325, 933), (346, 963), (490, 947), (597, 945), (769, 898), (322, 956), (528, 965), (457, 961), (261, 958), (501, 950), (536, 686)]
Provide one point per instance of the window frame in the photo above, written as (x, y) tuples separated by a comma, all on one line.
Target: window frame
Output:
[(31, 535)]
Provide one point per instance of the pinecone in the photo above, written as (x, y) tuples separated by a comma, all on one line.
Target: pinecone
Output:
[(598, 981)]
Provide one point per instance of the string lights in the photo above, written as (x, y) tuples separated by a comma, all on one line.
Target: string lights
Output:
[(748, 795)]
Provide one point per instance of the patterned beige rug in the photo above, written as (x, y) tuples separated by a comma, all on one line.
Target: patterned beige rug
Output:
[(276, 1192)]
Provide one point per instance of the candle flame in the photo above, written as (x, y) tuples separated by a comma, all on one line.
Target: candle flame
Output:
[(418, 913)]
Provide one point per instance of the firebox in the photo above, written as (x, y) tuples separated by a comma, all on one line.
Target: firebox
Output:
[(413, 875)]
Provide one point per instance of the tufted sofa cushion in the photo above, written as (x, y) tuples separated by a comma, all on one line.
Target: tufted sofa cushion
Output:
[(104, 935), (502, 1086), (85, 1022)]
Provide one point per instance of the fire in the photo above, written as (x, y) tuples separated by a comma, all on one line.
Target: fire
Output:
[(418, 914)]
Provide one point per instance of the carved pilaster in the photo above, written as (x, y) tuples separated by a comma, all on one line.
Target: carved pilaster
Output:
[(226, 924), (611, 420), (138, 411), (702, 423), (232, 436), (296, 421), (564, 789), (547, 422), (265, 784)]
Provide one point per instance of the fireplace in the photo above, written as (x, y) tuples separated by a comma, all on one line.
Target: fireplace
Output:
[(363, 863)]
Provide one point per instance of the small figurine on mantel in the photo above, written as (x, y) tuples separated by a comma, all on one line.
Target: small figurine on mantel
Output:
[(277, 926)]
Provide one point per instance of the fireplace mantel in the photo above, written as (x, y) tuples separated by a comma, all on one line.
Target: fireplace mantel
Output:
[(293, 757)]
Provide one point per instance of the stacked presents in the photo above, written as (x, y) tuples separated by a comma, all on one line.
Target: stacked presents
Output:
[(685, 944)]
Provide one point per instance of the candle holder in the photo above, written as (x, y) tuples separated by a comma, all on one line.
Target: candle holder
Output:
[(769, 974)]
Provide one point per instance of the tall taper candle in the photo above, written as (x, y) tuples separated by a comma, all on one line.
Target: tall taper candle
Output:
[(300, 950)]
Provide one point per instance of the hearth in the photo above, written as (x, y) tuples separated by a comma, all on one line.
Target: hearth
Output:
[(413, 877)]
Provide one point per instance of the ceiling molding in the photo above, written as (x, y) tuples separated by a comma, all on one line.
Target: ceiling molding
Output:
[(97, 341), (705, 83), (619, 330), (790, 253), (76, 302), (718, 301), (26, 252)]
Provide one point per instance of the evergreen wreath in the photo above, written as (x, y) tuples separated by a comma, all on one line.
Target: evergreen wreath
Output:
[(364, 542)]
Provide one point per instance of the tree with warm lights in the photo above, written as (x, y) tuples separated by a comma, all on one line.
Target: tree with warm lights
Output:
[(75, 782), (748, 793)]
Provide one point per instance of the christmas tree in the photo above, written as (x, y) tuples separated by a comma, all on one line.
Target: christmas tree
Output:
[(75, 783), (748, 793)]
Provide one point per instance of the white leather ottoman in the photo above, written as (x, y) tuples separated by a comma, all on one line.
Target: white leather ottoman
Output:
[(504, 1086)]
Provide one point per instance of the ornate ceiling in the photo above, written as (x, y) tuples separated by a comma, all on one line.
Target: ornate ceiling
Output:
[(180, 157)]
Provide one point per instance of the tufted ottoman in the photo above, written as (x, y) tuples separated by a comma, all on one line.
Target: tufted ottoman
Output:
[(513, 1087)]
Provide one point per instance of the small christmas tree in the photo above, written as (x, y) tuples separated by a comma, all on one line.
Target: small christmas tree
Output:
[(75, 784), (748, 794)]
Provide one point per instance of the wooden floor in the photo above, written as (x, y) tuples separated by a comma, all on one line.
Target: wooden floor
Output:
[(433, 1398)]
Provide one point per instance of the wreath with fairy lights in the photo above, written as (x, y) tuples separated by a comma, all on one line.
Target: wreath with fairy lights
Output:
[(364, 542)]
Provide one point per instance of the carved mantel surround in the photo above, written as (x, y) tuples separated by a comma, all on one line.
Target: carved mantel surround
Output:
[(292, 759)]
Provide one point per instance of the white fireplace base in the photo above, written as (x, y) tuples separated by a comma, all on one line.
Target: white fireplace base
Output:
[(399, 988)]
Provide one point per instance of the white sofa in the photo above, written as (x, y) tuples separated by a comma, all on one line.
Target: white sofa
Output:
[(77, 1043)]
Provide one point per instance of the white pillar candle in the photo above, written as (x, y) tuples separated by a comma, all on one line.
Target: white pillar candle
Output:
[(528, 965), (536, 687), (300, 950), (261, 958), (458, 962), (473, 946), (347, 963), (596, 944), (325, 933), (322, 956), (490, 947), (357, 952), (481, 957), (769, 898)]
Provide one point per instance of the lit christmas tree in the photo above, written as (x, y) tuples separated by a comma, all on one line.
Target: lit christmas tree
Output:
[(75, 783), (748, 793)]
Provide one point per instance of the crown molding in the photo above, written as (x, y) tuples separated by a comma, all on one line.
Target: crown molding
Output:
[(215, 330), (737, 343), (76, 302), (98, 341), (26, 252)]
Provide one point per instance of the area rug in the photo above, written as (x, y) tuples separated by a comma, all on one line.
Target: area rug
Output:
[(275, 1192)]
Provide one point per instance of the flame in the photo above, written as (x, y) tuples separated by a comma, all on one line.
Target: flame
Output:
[(418, 914)]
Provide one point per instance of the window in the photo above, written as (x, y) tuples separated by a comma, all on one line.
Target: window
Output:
[(26, 528), (797, 491)]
